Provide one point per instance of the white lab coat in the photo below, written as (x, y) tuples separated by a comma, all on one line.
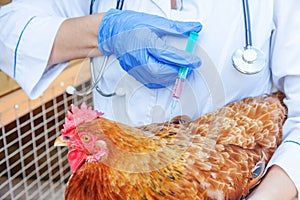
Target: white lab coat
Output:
[(28, 29)]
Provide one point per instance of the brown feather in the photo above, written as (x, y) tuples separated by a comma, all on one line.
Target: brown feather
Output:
[(211, 157)]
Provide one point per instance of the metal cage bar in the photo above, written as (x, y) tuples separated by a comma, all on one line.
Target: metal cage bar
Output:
[(31, 168)]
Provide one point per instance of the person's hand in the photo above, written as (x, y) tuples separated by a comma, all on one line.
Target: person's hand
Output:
[(276, 185), (135, 39)]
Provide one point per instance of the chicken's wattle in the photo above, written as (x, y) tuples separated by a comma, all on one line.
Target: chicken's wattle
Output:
[(76, 159)]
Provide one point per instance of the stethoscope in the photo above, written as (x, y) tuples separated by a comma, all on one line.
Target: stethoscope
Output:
[(247, 60)]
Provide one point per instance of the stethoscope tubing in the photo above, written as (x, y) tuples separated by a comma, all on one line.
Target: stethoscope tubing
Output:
[(91, 6), (248, 35), (119, 6), (95, 81)]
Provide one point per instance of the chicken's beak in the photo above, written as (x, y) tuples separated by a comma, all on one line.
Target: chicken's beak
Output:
[(59, 142)]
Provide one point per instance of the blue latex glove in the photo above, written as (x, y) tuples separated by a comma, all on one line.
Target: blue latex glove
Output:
[(135, 39)]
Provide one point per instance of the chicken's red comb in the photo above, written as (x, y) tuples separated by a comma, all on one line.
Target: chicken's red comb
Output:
[(78, 116)]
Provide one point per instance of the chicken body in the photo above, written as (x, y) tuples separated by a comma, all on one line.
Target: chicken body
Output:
[(211, 157)]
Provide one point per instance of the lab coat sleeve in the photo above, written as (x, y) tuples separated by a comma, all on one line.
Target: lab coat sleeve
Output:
[(286, 75), (26, 37)]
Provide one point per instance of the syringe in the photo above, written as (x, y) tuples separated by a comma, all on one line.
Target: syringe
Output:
[(183, 71)]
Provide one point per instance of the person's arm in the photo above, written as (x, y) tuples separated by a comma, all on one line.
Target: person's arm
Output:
[(27, 39), (38, 40), (275, 185), (76, 38), (282, 180)]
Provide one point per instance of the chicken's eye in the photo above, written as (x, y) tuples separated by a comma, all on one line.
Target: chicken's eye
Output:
[(66, 138), (86, 138)]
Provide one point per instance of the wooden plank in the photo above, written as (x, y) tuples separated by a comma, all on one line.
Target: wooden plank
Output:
[(17, 103), (7, 84)]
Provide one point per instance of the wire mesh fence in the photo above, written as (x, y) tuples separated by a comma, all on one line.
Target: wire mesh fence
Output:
[(30, 166)]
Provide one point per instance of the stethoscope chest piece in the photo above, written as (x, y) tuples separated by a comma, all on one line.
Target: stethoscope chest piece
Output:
[(248, 60)]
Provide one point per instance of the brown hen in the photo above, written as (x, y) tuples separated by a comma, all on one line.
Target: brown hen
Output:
[(216, 156)]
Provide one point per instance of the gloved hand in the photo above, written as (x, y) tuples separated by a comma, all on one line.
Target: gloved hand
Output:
[(135, 39)]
